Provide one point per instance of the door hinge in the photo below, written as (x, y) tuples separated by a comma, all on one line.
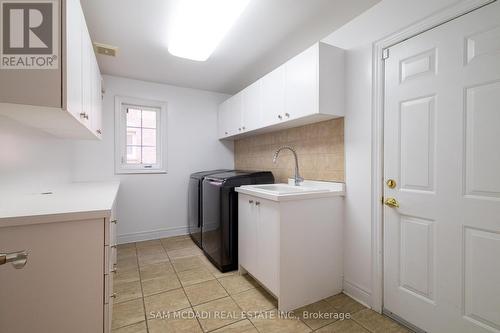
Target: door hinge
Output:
[(385, 54)]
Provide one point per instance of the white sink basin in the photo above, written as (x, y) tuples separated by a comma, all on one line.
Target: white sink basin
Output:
[(281, 189), (284, 192)]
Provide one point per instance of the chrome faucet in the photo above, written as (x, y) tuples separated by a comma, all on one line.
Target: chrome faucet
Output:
[(298, 179)]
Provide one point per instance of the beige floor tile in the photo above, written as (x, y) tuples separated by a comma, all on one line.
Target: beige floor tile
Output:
[(237, 283), (179, 322), (173, 300), (127, 291), (318, 314), (125, 246), (187, 263), (218, 313), (255, 300), (155, 270), (177, 243), (214, 270), (165, 283), (195, 276), (204, 292), (135, 328), (345, 304), (126, 253), (343, 326), (174, 238), (271, 322), (148, 243), (126, 275), (242, 326), (376, 322), (187, 252), (126, 264), (128, 313), (154, 258), (150, 250)]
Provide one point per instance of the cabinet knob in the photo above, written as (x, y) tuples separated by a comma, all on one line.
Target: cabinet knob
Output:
[(99, 131), (113, 271), (84, 115), (113, 246), (239, 129), (114, 221), (287, 115), (280, 116), (113, 295), (225, 133), (257, 203), (250, 201), (243, 127)]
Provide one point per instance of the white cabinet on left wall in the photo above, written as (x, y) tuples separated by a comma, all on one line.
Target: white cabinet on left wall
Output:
[(64, 100)]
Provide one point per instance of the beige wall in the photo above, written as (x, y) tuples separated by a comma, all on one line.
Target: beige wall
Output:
[(320, 148)]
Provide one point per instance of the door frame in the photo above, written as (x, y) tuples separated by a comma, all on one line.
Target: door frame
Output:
[(378, 81)]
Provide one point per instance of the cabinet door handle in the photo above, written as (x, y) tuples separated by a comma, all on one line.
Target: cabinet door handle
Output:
[(99, 131), (280, 117), (257, 203), (287, 115), (113, 246), (243, 127), (113, 270), (17, 259), (114, 295), (250, 201), (114, 221)]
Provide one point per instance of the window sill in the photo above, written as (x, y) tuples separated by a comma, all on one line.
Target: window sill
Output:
[(139, 171)]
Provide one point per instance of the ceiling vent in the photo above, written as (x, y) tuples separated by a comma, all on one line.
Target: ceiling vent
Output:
[(104, 49)]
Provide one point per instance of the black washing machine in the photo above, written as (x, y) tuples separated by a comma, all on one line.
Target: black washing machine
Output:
[(195, 203), (220, 214)]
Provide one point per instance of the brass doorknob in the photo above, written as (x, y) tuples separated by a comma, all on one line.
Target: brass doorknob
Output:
[(391, 183), (391, 202)]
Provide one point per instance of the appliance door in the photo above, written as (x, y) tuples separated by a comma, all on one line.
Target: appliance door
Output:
[(212, 211), (194, 213)]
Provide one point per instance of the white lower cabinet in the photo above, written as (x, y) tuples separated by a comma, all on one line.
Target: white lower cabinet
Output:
[(292, 248)]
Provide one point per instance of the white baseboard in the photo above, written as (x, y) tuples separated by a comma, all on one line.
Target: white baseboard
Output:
[(357, 293), (153, 234)]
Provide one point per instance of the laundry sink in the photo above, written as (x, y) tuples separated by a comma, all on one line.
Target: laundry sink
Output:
[(283, 192), (280, 189)]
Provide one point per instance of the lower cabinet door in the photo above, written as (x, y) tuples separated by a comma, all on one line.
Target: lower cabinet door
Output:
[(268, 244), (247, 233)]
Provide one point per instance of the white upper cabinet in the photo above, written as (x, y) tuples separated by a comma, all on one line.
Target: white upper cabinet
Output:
[(64, 100), (308, 88), (273, 96), (251, 107)]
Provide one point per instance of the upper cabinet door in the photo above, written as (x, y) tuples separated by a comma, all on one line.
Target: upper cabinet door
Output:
[(223, 119), (251, 107), (234, 114), (74, 57), (273, 96), (301, 84)]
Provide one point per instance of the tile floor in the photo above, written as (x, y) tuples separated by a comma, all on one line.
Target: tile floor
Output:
[(162, 284)]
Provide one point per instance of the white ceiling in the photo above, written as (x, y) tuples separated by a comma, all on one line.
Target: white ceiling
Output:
[(268, 33)]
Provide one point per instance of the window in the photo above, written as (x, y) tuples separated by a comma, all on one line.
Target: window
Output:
[(140, 136)]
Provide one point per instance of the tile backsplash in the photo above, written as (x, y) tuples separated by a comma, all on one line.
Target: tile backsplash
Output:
[(319, 146)]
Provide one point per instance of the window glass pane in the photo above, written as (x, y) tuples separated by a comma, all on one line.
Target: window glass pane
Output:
[(134, 136), (149, 119), (133, 155), (149, 137), (133, 117), (149, 155)]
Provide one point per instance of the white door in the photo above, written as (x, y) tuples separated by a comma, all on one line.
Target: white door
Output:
[(301, 84), (247, 233), (442, 148), (251, 107), (268, 244), (273, 96)]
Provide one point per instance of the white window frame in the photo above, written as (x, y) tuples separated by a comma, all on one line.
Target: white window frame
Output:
[(121, 136)]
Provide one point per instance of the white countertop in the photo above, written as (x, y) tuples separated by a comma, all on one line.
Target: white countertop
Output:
[(63, 202), (308, 189)]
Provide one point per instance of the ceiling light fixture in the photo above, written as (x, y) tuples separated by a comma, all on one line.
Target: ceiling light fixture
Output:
[(199, 25)]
